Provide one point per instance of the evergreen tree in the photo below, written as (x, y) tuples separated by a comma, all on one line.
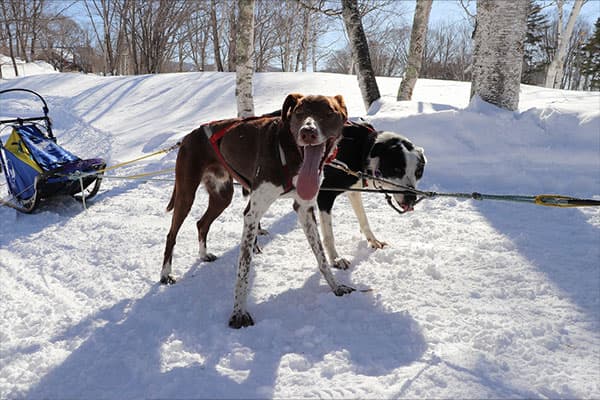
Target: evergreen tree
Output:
[(533, 58), (591, 58)]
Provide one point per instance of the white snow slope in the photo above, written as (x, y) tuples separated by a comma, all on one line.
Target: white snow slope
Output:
[(471, 299)]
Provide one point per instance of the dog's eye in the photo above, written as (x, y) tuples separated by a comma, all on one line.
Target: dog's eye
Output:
[(419, 171), (330, 115)]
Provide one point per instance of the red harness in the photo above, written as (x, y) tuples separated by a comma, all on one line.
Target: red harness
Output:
[(215, 138)]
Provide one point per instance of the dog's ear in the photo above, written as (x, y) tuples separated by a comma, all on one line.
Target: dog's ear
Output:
[(377, 150), (421, 153), (342, 106), (290, 102)]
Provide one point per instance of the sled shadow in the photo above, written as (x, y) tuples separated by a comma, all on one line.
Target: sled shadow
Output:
[(174, 341), (55, 211)]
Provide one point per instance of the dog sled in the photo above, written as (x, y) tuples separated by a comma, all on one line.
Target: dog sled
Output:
[(35, 167)]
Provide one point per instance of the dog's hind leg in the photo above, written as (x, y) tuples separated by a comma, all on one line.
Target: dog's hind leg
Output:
[(220, 191), (182, 203), (306, 216)]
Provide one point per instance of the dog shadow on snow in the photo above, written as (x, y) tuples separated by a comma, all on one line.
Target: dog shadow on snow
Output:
[(175, 342)]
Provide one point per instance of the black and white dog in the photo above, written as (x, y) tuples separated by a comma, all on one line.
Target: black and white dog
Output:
[(383, 154)]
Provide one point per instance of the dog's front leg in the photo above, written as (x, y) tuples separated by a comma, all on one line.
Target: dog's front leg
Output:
[(329, 241), (359, 211), (260, 201), (307, 219)]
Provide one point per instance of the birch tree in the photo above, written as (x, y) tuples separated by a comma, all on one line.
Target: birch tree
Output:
[(498, 51), (106, 11), (555, 72), (360, 52), (415, 55), (245, 59)]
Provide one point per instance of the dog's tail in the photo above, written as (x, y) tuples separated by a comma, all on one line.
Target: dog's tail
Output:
[(171, 204)]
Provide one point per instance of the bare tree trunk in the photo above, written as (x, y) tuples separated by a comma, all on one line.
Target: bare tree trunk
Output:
[(122, 51), (360, 52), (231, 64), (313, 50), (498, 51), (10, 36), (18, 12), (131, 37), (180, 56), (554, 75), (103, 8), (245, 59), (305, 39), (415, 55), (38, 6), (215, 32)]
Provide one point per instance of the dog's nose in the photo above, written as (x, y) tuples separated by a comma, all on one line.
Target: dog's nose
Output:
[(308, 133), (408, 202)]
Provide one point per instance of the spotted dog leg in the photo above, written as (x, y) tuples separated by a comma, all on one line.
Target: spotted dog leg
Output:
[(329, 241), (359, 211), (306, 216), (260, 200)]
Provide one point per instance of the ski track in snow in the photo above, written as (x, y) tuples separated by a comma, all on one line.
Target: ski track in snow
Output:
[(470, 299)]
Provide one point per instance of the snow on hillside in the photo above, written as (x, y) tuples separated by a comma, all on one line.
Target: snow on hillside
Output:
[(24, 68), (470, 299)]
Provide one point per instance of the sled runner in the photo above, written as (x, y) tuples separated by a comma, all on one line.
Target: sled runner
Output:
[(36, 167)]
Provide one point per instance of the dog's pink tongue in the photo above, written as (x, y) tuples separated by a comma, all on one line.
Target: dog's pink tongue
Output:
[(307, 185)]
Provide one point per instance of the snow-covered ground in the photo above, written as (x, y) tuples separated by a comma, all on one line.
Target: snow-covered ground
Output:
[(470, 299), (24, 68)]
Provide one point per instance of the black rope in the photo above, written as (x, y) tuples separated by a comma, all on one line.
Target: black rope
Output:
[(550, 200)]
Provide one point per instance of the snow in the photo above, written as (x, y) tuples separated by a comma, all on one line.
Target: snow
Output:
[(24, 68), (470, 299)]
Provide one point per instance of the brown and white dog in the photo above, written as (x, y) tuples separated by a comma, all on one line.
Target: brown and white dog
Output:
[(270, 156)]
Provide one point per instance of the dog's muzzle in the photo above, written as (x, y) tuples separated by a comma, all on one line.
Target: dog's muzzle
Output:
[(406, 202), (309, 133)]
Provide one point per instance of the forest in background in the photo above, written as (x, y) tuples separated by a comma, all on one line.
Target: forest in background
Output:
[(125, 37)]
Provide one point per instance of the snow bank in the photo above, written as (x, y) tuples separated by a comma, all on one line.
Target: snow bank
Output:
[(25, 69)]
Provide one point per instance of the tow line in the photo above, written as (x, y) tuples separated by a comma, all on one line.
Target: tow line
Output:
[(548, 200)]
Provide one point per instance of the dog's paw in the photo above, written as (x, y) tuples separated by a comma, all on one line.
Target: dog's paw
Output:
[(376, 244), (167, 280), (341, 290), (209, 257), (240, 320), (256, 249), (341, 263)]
